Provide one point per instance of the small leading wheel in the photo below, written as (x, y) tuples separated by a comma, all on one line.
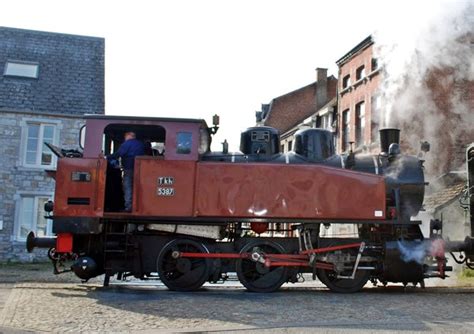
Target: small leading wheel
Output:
[(255, 276), (183, 274), (343, 285)]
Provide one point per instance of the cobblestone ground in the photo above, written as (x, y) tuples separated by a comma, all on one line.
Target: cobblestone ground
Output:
[(33, 300)]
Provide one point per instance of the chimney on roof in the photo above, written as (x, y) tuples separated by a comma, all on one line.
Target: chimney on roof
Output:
[(321, 86)]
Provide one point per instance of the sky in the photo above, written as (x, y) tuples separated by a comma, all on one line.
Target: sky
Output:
[(199, 58)]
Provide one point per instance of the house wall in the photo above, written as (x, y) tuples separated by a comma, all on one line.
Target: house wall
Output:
[(70, 83), (363, 90), (18, 180)]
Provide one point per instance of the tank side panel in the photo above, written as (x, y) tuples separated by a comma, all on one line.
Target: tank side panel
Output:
[(163, 188), (287, 191)]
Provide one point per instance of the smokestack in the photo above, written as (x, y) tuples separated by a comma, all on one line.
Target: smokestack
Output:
[(321, 86), (388, 136)]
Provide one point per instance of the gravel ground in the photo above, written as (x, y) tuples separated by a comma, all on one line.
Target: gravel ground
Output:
[(32, 299)]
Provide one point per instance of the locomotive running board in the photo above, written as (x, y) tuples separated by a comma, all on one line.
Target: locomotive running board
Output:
[(137, 219)]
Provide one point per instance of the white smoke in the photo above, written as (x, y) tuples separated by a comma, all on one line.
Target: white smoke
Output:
[(412, 251), (427, 62)]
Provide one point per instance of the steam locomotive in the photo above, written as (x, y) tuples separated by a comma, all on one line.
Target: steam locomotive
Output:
[(199, 215)]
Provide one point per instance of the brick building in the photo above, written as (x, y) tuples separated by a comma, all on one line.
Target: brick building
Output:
[(47, 82), (313, 105), (359, 109), (359, 81), (452, 131)]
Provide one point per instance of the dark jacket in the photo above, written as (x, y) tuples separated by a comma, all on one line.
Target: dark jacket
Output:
[(128, 151)]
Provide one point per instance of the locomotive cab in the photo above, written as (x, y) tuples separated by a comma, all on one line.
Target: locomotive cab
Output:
[(153, 138), (95, 184)]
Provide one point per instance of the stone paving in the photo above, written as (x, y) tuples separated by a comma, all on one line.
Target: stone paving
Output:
[(38, 305)]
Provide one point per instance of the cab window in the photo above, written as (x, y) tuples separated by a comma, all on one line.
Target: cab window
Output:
[(152, 136), (184, 142)]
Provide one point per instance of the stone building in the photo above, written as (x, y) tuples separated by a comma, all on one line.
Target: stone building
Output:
[(47, 82), (313, 105), (359, 81)]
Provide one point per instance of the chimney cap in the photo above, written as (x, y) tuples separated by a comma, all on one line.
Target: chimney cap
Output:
[(321, 74)]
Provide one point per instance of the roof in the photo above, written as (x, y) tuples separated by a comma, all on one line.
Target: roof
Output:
[(70, 72), (144, 118), (50, 33), (443, 197), (362, 45), (290, 109)]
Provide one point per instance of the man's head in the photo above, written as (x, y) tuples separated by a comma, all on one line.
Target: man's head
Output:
[(130, 135)]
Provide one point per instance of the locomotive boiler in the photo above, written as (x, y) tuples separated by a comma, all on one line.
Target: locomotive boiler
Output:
[(260, 213)]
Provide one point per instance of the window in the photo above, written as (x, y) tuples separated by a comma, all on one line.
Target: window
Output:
[(37, 154), (376, 103), (184, 142), (31, 217), (360, 72), (290, 145), (326, 121), (374, 64), (360, 123), (21, 69), (282, 148), (345, 129), (346, 81), (152, 136), (318, 121)]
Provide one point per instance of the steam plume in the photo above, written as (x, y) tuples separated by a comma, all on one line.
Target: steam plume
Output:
[(428, 81)]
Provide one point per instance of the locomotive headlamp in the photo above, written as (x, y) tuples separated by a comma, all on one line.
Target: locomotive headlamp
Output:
[(49, 206), (425, 146), (215, 122)]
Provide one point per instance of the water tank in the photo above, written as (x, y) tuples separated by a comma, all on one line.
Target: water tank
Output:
[(314, 144), (261, 140)]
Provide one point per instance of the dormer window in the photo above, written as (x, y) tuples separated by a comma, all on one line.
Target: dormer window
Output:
[(21, 69)]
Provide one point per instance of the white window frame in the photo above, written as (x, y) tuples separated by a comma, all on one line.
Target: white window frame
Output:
[(24, 142), (20, 196), (9, 70)]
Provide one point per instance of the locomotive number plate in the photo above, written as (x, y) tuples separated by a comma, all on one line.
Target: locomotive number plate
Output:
[(165, 191), (164, 183)]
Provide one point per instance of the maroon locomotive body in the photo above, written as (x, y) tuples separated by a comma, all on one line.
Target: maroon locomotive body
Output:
[(198, 215)]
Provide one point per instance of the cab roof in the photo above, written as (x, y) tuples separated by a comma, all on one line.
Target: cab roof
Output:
[(143, 118)]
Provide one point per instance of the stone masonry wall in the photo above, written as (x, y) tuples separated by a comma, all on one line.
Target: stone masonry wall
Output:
[(16, 179)]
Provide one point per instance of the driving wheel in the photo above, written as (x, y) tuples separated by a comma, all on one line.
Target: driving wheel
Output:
[(183, 274), (254, 275), (343, 285)]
